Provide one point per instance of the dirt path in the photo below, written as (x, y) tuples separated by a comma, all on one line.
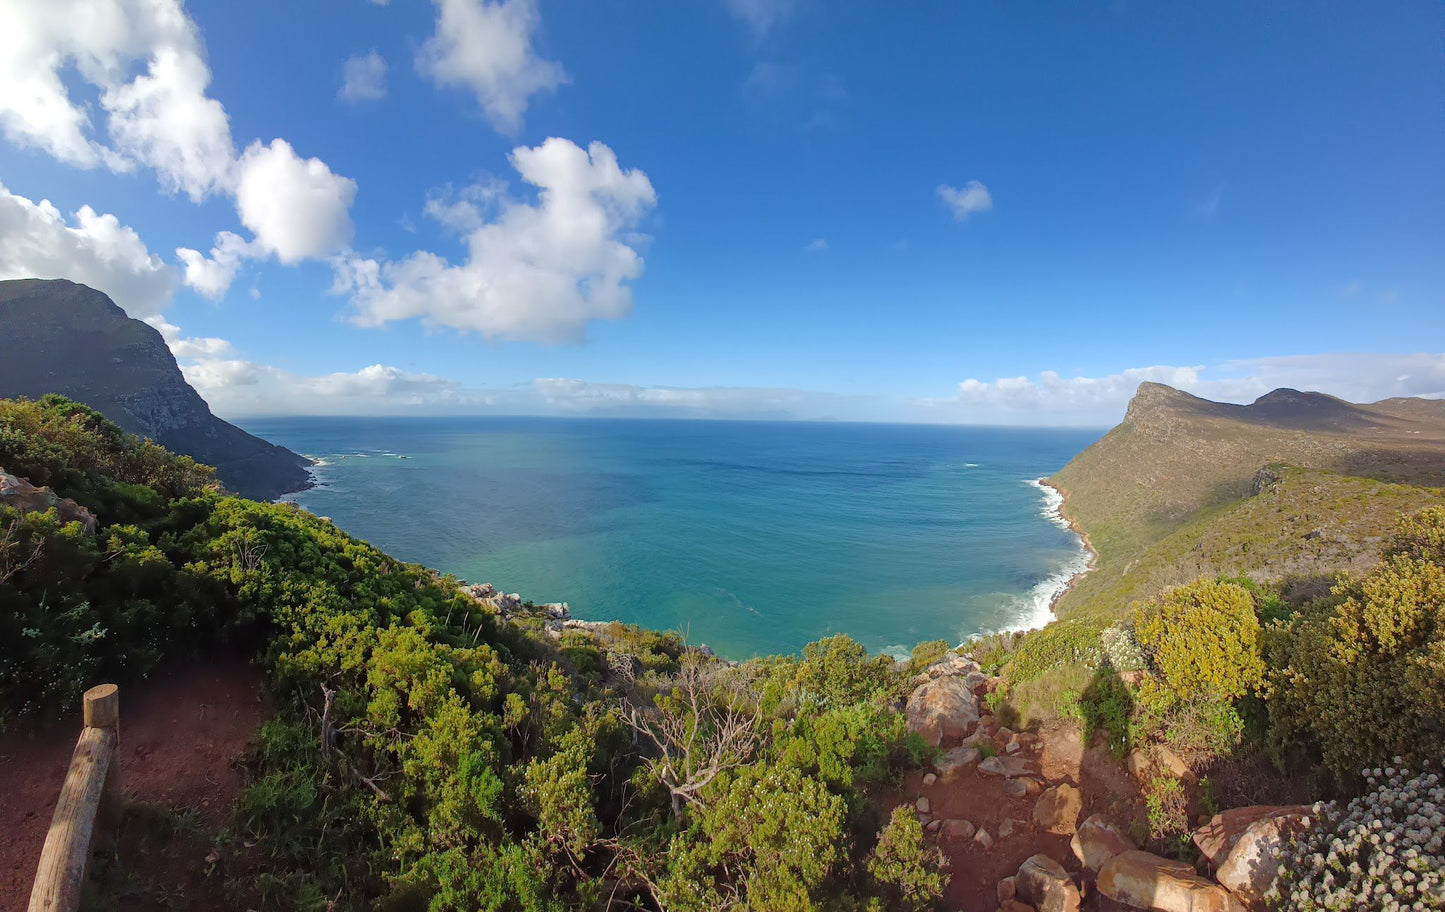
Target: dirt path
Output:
[(179, 735), (1058, 756)]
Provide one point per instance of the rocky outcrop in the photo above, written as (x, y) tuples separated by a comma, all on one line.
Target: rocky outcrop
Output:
[(943, 707), (60, 337), (19, 494), (1244, 845), (1140, 880), (1097, 840), (1044, 884), (1057, 809)]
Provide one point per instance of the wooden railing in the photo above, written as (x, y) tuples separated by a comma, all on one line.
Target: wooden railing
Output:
[(89, 803)]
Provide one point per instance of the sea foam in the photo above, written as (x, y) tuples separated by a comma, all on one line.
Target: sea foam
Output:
[(1037, 606)]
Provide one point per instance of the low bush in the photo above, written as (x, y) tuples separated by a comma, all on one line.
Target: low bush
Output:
[(1385, 850), (1203, 640), (1360, 677)]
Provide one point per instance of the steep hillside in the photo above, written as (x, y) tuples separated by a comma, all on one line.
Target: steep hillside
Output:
[(1178, 461), (60, 337)]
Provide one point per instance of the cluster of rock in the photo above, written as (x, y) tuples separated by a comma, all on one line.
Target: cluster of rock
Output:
[(1239, 847), (19, 494)]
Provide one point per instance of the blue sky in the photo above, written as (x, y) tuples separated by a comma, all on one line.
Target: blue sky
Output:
[(935, 211)]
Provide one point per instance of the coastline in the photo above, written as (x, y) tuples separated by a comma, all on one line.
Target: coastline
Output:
[(1074, 527), (1045, 596)]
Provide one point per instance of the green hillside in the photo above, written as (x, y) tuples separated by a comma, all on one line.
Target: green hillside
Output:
[(1171, 493)]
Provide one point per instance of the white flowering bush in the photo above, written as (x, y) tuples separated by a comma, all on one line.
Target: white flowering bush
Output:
[(1386, 851), (1122, 648)]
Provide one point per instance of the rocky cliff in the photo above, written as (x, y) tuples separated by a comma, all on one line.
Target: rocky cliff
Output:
[(60, 337)]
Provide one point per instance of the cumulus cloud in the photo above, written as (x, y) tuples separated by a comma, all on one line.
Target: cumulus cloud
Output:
[(966, 200), (538, 271), (466, 210), (147, 63), (1051, 398), (37, 241), (296, 207), (212, 276), (194, 347), (364, 77), (486, 47)]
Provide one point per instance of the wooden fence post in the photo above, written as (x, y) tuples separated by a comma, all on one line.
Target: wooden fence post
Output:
[(91, 788)]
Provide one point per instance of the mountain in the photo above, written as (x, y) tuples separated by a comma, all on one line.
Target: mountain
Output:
[(60, 337), (1291, 483)]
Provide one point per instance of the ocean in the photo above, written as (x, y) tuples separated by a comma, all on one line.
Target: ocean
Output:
[(754, 538)]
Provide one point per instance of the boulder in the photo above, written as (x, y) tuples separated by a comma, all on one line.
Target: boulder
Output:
[(1253, 864), (956, 759), (1014, 905), (983, 840), (1045, 884), (1007, 889), (19, 494), (922, 804), (1146, 881), (1057, 809), (1098, 840), (1217, 838), (1016, 788), (958, 830), (930, 778), (942, 711), (1009, 767)]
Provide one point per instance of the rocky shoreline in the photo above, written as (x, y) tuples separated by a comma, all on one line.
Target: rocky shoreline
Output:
[(1083, 537)]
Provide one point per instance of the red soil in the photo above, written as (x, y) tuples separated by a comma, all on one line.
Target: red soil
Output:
[(179, 736), (1060, 757)]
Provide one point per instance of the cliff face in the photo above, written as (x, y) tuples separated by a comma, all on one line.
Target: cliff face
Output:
[(60, 337)]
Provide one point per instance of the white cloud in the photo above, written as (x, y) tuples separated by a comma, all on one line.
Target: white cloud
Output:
[(240, 388), (761, 16), (36, 241), (147, 63), (1051, 398), (537, 271), (466, 210), (185, 348), (297, 208), (487, 47), (160, 117), (817, 245), (966, 200), (212, 276), (364, 78)]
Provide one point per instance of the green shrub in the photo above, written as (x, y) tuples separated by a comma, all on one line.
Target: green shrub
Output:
[(1063, 642), (1203, 639), (1360, 678), (911, 872)]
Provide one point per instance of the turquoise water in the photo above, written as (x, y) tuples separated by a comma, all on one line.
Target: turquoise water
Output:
[(751, 537)]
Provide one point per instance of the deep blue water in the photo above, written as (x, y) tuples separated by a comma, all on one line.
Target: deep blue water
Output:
[(752, 537)]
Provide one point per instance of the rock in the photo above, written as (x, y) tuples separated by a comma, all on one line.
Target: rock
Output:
[(1146, 881), (1016, 788), (922, 805), (933, 826), (557, 611), (1057, 809), (958, 830), (1014, 905), (956, 759), (1032, 786), (1217, 838), (1013, 746), (1007, 889), (952, 665), (1044, 883), (1098, 840), (19, 494), (1006, 829), (1011, 767), (1253, 864), (1144, 763), (983, 840), (942, 711), (929, 778)]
